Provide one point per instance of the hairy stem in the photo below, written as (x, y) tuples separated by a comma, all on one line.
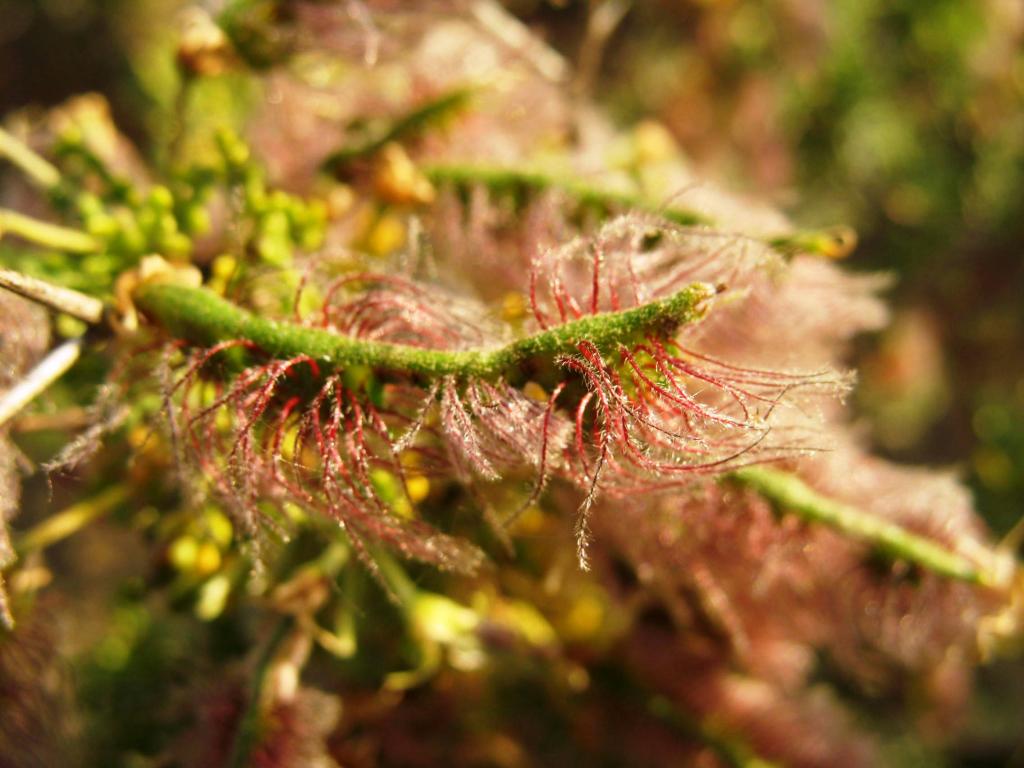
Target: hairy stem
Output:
[(791, 494), (46, 234), (203, 318)]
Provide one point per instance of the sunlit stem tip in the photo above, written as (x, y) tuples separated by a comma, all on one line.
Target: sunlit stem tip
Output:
[(790, 494), (45, 234), (79, 305), (41, 172)]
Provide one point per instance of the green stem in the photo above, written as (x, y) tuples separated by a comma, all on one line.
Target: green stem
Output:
[(789, 493), (203, 318), (518, 182), (41, 172), (405, 127), (46, 234), (248, 733), (831, 243)]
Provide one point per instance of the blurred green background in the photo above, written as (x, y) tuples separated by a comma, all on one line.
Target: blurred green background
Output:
[(901, 118)]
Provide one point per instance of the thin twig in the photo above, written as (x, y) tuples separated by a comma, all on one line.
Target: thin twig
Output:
[(512, 32), (85, 308), (52, 367)]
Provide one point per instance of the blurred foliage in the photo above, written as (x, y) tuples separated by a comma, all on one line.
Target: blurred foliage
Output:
[(902, 119)]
